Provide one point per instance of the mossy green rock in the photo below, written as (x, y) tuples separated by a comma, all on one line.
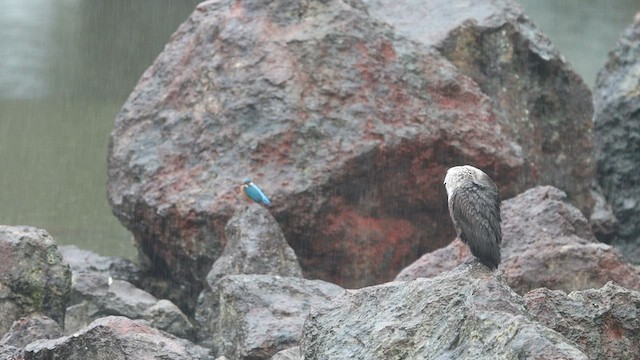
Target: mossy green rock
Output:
[(34, 279)]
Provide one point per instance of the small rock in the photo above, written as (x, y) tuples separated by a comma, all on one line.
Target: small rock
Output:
[(604, 223), (166, 316), (604, 323), (124, 299), (288, 354), (116, 337), (90, 272), (29, 329), (34, 278), (8, 352), (263, 314)]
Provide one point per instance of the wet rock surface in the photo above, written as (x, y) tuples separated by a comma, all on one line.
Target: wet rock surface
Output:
[(263, 314), (115, 337), (33, 276), (90, 272), (547, 242), (617, 130), (467, 313), (535, 94), (100, 289), (346, 123), (121, 298), (603, 322), (288, 354), (28, 329), (255, 245)]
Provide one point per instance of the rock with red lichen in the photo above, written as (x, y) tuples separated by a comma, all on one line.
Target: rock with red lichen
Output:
[(546, 242), (347, 125), (536, 96), (604, 323)]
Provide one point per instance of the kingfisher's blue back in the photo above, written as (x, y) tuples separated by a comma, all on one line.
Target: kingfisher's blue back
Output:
[(255, 193)]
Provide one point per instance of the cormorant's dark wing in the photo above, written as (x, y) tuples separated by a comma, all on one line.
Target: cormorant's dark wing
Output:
[(475, 210)]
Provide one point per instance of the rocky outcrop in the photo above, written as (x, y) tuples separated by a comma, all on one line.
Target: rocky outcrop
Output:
[(33, 276), (115, 337), (467, 313), (547, 242), (263, 314), (347, 123), (603, 322), (617, 132), (255, 245)]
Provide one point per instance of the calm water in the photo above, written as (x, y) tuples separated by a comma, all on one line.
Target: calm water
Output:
[(67, 66)]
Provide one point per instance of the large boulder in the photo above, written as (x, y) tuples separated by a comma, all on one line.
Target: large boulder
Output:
[(617, 131), (263, 314), (255, 245), (467, 313), (347, 123), (603, 322), (34, 279), (116, 337), (534, 92), (547, 242)]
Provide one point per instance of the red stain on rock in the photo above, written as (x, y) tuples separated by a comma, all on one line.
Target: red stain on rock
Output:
[(316, 102)]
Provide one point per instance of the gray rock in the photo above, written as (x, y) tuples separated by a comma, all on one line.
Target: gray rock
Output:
[(124, 299), (617, 131), (255, 245), (288, 354), (81, 315), (115, 338), (8, 352), (33, 276), (604, 223), (604, 323), (102, 287), (541, 230), (467, 313), (90, 272), (29, 329), (166, 316), (263, 314)]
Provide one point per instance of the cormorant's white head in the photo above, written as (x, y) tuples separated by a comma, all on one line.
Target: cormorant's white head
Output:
[(458, 174)]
